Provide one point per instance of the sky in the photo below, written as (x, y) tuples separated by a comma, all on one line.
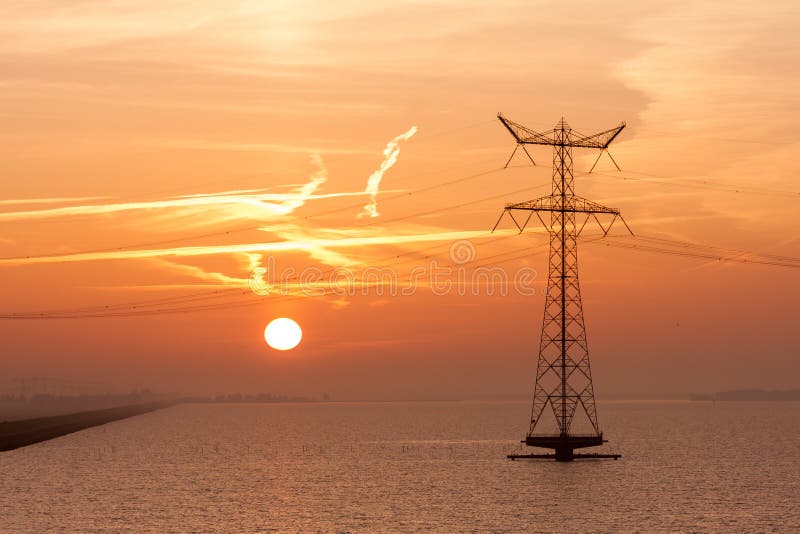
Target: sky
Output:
[(188, 155)]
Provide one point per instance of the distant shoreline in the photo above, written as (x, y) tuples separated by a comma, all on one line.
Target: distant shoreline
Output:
[(749, 395), (21, 433)]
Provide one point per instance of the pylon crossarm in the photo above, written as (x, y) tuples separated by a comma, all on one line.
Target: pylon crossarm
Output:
[(530, 214), (613, 220), (598, 159), (593, 164), (598, 140), (562, 137), (523, 134), (498, 221), (515, 220), (512, 157), (531, 157), (608, 211), (520, 227), (586, 220), (626, 224), (605, 232), (542, 221), (613, 160), (562, 203)]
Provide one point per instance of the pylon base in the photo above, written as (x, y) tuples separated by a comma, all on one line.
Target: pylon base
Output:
[(563, 446), (579, 456)]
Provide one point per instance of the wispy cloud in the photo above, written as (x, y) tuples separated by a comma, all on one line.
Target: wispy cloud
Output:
[(198, 144), (319, 177), (390, 154), (271, 204), (48, 200), (202, 274), (309, 245)]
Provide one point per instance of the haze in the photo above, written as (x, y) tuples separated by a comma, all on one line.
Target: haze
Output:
[(127, 125)]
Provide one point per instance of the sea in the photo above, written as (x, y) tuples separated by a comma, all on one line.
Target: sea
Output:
[(409, 467)]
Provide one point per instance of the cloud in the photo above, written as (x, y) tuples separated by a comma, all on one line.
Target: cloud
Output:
[(271, 204), (317, 179), (390, 154), (311, 246), (202, 274), (196, 144), (48, 200)]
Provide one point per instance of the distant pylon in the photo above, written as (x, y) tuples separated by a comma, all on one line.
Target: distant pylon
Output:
[(563, 376)]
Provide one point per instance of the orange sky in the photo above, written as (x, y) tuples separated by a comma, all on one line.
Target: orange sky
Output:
[(149, 123)]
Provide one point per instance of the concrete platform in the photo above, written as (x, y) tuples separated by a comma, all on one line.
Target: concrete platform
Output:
[(564, 446), (579, 456)]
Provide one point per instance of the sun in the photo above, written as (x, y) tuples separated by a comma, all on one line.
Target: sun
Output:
[(283, 334)]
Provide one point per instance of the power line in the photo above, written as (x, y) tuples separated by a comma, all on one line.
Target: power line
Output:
[(236, 292), (162, 306), (133, 312), (251, 227), (793, 263), (193, 301), (690, 244), (697, 184), (657, 134)]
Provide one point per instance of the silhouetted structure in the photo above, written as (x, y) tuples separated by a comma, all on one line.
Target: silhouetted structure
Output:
[(563, 377), (16, 434), (776, 395)]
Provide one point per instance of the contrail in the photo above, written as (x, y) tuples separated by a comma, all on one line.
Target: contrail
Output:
[(48, 200), (275, 204), (310, 246), (390, 154), (317, 179)]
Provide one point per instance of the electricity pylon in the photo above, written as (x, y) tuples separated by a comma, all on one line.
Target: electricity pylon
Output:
[(563, 376)]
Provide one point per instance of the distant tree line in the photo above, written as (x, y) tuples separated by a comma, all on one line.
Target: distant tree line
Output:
[(750, 395)]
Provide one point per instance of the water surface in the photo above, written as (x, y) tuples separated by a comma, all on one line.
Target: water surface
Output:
[(427, 467)]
